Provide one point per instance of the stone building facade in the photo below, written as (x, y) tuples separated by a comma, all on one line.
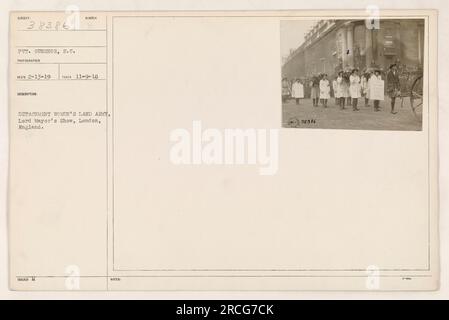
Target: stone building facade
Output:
[(334, 45)]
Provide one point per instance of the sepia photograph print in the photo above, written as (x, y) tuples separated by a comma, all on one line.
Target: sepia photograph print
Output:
[(353, 74)]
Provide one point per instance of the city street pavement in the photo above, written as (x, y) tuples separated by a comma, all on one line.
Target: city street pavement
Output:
[(305, 115)]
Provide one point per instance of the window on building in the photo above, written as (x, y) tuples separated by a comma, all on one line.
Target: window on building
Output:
[(389, 43)]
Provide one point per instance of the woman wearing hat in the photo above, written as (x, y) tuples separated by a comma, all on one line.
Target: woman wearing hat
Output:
[(297, 90), (325, 90), (347, 94), (334, 90), (340, 90), (315, 92), (365, 88), (371, 82), (393, 85), (285, 89), (354, 88)]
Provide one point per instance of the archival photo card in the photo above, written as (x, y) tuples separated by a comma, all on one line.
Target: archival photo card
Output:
[(171, 151), (363, 74)]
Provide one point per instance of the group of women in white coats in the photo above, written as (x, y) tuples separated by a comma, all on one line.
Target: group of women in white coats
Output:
[(354, 89), (344, 89), (347, 90), (320, 90)]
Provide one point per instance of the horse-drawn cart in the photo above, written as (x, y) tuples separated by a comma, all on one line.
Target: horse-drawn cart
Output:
[(411, 82)]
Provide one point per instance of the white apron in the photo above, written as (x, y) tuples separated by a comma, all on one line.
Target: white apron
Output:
[(372, 83), (365, 87), (354, 87), (340, 88), (297, 90), (324, 89)]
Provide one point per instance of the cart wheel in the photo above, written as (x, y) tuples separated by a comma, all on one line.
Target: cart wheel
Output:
[(416, 97)]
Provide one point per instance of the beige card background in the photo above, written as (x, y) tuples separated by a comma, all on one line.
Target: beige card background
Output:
[(108, 200), (332, 187)]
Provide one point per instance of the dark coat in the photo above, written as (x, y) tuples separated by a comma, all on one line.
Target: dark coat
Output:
[(393, 84)]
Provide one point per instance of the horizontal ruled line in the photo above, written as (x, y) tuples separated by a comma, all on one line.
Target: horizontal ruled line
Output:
[(60, 80), (230, 276), (60, 62), (61, 46), (104, 30)]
